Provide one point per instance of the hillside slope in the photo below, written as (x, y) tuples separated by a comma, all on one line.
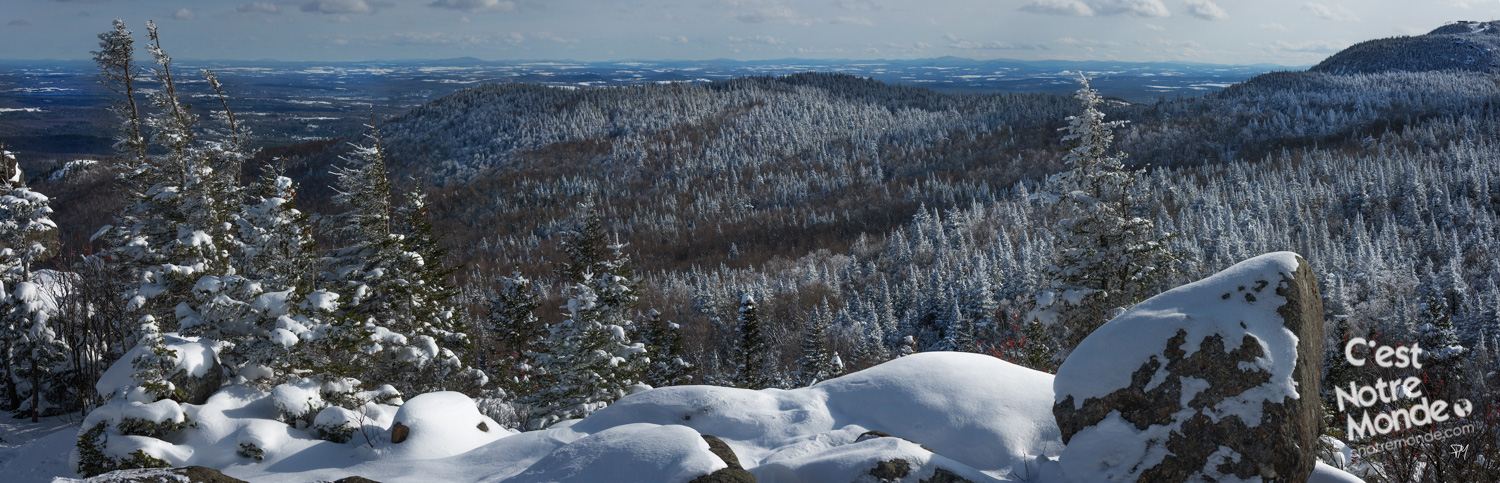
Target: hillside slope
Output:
[(1464, 46)]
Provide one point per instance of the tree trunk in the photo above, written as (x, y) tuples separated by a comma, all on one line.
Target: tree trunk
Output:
[(36, 391)]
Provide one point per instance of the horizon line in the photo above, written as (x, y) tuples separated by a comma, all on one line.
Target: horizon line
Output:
[(717, 59)]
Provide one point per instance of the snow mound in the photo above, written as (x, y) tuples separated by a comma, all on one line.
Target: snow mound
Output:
[(969, 415), (637, 452), (981, 414), (191, 355), (443, 424)]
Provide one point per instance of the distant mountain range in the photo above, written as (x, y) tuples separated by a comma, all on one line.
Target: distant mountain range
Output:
[(54, 110)]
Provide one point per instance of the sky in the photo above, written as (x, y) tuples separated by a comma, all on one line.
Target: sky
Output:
[(1285, 32)]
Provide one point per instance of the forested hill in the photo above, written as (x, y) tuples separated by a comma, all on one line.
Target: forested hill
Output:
[(734, 171), (1465, 46), (746, 170)]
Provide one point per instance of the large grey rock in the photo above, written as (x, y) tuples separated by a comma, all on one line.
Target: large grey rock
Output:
[(734, 473), (197, 389), (1212, 379)]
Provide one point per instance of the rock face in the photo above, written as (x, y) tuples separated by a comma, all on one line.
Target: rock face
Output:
[(1213, 379), (197, 389), (734, 473)]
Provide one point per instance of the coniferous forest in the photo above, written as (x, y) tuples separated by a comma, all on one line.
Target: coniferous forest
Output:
[(547, 252)]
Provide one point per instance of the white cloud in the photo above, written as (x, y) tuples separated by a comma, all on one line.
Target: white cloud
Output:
[(1206, 10), (991, 45), (1273, 26), (859, 5), (258, 7), (475, 6), (764, 39), (854, 21), (1087, 42), (1310, 47), (679, 40), (1337, 13), (760, 11), (1157, 28), (185, 14), (1072, 8), (1177, 44), (338, 7), (1089, 8), (553, 38)]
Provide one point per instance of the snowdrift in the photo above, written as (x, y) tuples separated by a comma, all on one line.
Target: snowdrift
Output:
[(970, 415)]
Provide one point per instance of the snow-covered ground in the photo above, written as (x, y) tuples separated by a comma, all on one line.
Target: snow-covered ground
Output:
[(36, 452), (980, 417)]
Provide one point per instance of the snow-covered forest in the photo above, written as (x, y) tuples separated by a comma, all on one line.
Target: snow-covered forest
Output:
[(546, 252)]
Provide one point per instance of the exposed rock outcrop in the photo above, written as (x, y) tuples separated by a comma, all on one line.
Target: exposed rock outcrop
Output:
[(1212, 379), (733, 474)]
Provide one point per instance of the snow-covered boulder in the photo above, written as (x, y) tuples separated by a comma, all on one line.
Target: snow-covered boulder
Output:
[(187, 474), (1212, 380), (442, 424), (632, 452), (194, 368)]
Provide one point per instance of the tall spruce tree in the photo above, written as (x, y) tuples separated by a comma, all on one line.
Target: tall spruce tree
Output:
[(817, 361), (1443, 356), (588, 360), (385, 303), (35, 356), (663, 341), (519, 335), (276, 254), (1109, 256), (751, 352)]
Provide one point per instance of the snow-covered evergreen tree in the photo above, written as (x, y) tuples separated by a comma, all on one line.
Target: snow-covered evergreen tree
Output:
[(663, 341), (276, 241), (36, 357), (382, 285), (751, 352), (816, 363), (364, 269), (41, 359), (587, 364), (958, 334), (1443, 356), (27, 233), (588, 360), (435, 310), (518, 333), (1109, 256), (276, 257)]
